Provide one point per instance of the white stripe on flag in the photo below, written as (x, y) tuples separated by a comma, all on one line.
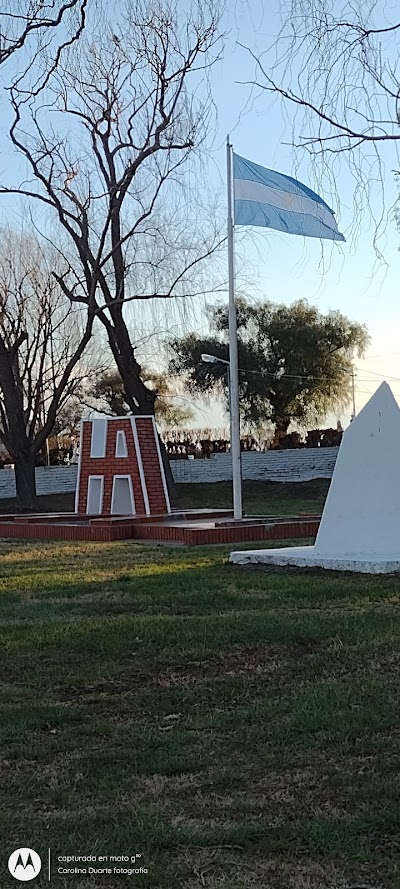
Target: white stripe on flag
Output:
[(248, 190)]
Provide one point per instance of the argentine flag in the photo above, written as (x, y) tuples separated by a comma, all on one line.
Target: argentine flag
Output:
[(263, 197)]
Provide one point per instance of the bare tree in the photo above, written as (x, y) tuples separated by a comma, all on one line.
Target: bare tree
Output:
[(133, 105), (42, 342), (39, 31), (336, 66)]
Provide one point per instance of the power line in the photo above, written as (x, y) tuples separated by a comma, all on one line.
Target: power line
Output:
[(375, 374), (265, 373)]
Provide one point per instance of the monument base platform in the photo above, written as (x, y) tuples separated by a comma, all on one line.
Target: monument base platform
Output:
[(306, 557), (185, 527)]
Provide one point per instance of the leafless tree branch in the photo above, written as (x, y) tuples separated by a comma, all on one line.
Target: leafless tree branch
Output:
[(113, 173)]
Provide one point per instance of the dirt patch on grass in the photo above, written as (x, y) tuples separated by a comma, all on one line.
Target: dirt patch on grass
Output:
[(385, 663), (270, 659), (318, 790), (258, 660), (229, 868), (247, 793)]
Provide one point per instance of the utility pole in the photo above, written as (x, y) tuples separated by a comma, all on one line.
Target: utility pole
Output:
[(353, 391)]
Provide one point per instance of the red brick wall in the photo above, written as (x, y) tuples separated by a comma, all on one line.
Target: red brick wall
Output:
[(111, 465), (151, 465), (153, 532)]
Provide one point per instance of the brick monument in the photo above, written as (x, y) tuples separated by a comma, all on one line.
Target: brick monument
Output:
[(120, 470)]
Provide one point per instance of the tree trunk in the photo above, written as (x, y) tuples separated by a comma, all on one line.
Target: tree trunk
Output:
[(281, 428), (139, 397), (25, 482)]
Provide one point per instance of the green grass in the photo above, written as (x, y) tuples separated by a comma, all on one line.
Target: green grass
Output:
[(236, 728), (259, 497)]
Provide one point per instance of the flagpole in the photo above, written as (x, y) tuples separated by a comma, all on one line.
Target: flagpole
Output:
[(233, 354)]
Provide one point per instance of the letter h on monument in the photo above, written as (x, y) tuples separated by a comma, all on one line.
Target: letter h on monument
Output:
[(120, 470)]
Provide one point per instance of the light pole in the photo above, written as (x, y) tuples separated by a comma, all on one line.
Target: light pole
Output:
[(236, 472), (233, 349)]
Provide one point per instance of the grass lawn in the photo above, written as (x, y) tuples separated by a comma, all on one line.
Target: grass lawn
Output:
[(259, 497), (236, 728)]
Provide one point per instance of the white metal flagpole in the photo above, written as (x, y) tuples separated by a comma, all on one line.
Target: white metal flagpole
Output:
[(233, 355)]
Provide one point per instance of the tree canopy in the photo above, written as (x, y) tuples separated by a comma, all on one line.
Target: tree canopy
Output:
[(295, 363), (108, 394)]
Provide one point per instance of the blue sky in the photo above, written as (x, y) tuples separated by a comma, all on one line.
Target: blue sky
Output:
[(348, 276)]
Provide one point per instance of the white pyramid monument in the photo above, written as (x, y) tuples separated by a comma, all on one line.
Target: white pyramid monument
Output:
[(360, 524)]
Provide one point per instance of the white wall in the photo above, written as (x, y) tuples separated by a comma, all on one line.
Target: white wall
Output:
[(282, 466), (297, 465), (49, 480)]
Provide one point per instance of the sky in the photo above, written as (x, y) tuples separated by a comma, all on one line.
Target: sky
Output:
[(346, 276), (284, 268)]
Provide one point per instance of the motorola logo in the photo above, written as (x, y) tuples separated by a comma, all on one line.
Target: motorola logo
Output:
[(24, 864)]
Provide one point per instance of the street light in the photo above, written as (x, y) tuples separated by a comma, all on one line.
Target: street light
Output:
[(212, 359)]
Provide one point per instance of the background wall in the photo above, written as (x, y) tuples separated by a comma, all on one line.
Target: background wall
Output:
[(282, 466)]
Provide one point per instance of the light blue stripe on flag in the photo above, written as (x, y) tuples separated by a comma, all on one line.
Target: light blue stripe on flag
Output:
[(264, 197)]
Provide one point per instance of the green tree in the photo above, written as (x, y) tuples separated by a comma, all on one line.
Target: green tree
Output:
[(295, 362), (109, 395)]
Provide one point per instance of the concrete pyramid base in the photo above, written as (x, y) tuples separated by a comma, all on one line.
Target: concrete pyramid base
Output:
[(307, 557), (359, 528)]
